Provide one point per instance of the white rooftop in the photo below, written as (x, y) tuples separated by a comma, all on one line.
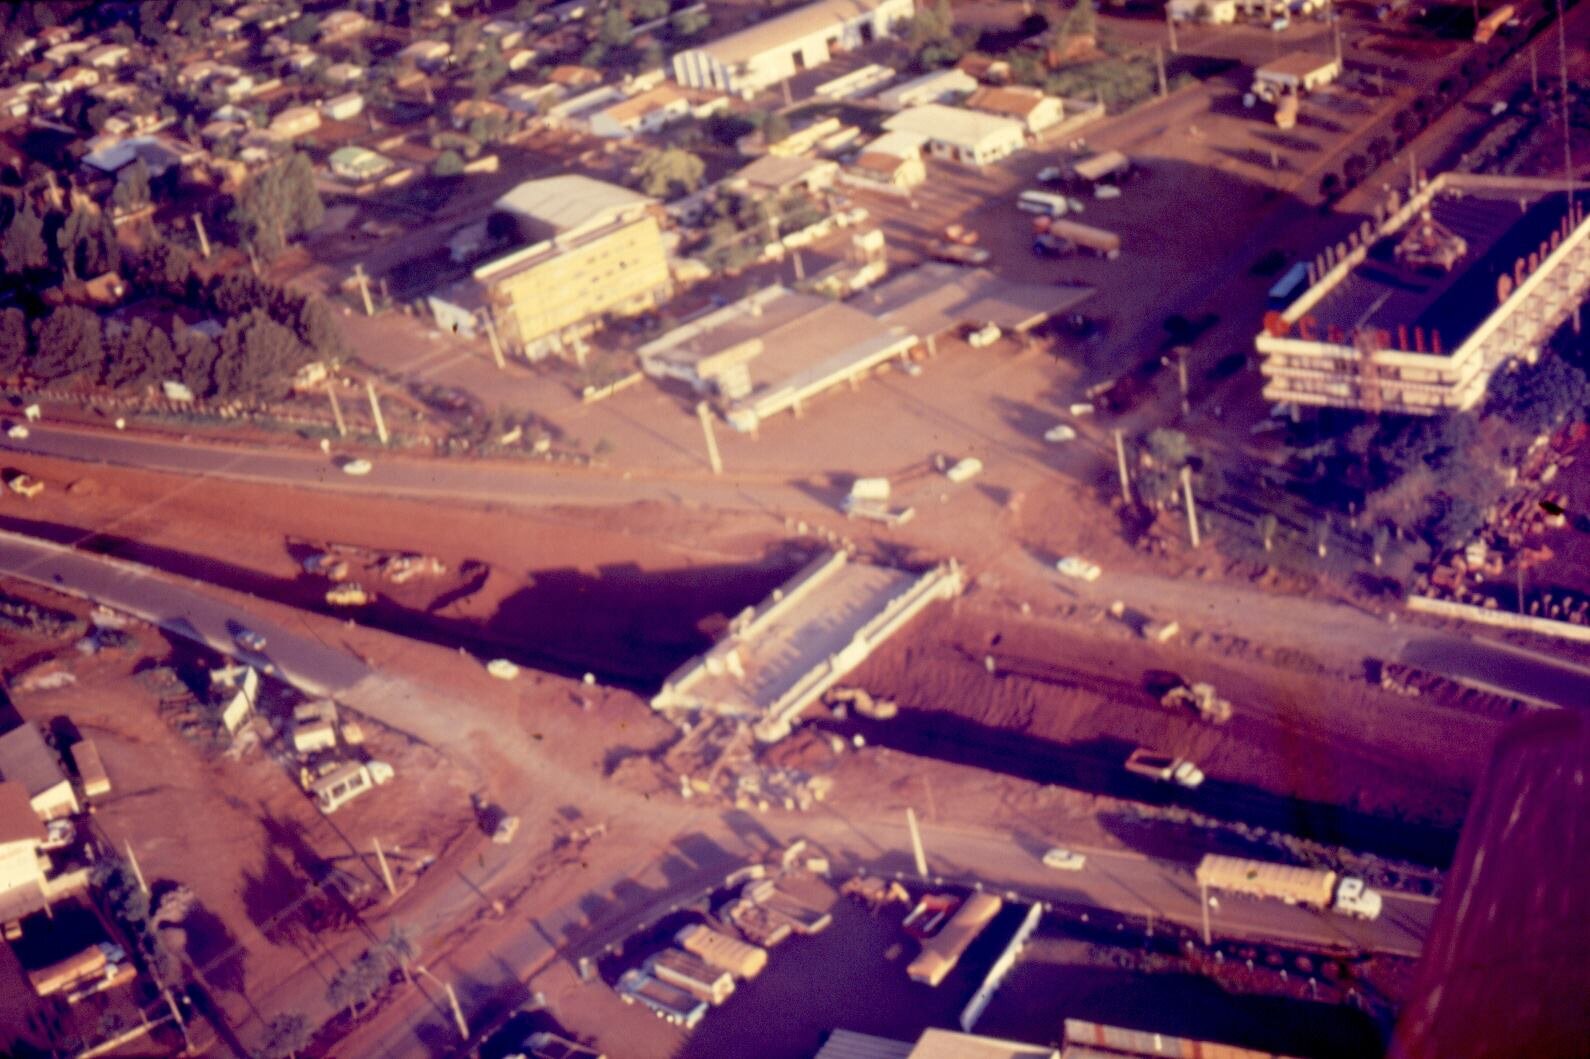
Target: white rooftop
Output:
[(787, 28), (953, 125), (570, 202)]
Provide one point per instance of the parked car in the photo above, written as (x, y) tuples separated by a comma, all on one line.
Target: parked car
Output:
[(358, 467), (1064, 860), (507, 827), (965, 469), (984, 336), (249, 640), (1106, 191), (1059, 434), (16, 431), (1074, 566)]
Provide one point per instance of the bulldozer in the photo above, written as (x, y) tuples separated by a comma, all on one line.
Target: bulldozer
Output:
[(1200, 697)]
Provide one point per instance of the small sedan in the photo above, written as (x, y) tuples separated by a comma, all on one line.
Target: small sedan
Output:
[(249, 640), (1074, 566), (17, 432), (358, 468), (1059, 434), (1064, 860)]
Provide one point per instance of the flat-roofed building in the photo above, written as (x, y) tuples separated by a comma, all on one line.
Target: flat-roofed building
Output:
[(21, 832), (937, 86), (771, 52), (776, 659), (590, 249), (648, 111), (1297, 73), (772, 351), (1415, 314), (892, 162), (960, 135), (1022, 103), (27, 760)]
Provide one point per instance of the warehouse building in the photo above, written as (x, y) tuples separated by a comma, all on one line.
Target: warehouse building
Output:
[(959, 135), (1414, 313), (591, 249), (771, 52), (776, 659)]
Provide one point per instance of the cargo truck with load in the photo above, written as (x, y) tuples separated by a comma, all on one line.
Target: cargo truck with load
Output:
[(1164, 767), (1317, 888), (1103, 243)]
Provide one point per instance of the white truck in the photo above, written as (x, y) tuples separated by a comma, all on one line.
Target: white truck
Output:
[(1293, 884)]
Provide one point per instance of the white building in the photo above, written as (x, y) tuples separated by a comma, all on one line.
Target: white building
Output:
[(1020, 103), (647, 112), (939, 86), (26, 759), (964, 136), (1296, 74), (1217, 12), (774, 51), (1414, 315), (21, 880)]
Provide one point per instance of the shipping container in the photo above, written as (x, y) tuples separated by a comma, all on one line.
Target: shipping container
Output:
[(1294, 884), (739, 958), (943, 951)]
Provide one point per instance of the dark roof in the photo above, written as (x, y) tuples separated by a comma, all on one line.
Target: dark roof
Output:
[(1384, 293)]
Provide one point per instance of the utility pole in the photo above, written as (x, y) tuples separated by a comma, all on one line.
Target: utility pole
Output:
[(1120, 463), (496, 342), (1170, 25), (452, 1002), (375, 410), (1520, 587), (1159, 61), (705, 415), (916, 843), (1203, 902), (1181, 378), (204, 240), (364, 289), (1336, 31), (1534, 70), (138, 873), (386, 872), (336, 409), (1192, 512)]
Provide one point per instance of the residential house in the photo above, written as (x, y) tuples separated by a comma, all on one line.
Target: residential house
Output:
[(427, 54), (74, 79), (61, 54), (27, 760), (1022, 103), (892, 163), (964, 136), (345, 107), (107, 56), (647, 112), (985, 69), (779, 175), (574, 76), (295, 122), (343, 74), (339, 25), (773, 51), (594, 249), (358, 165), (528, 99)]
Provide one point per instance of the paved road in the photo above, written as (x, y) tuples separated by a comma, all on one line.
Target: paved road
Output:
[(532, 485), (1336, 627), (1125, 882)]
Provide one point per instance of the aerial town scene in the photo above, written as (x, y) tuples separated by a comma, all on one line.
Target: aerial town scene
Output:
[(795, 529)]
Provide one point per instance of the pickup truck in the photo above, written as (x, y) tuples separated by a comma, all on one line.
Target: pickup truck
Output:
[(1164, 767)]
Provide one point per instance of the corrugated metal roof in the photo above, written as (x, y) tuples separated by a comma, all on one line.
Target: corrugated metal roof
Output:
[(569, 201), (947, 1044), (847, 1044)]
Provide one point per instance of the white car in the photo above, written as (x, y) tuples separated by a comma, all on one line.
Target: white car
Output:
[(1074, 566), (249, 640), (1059, 434), (1106, 191), (965, 470), (17, 431), (357, 467), (502, 669), (984, 336), (1049, 174), (1064, 860), (506, 828)]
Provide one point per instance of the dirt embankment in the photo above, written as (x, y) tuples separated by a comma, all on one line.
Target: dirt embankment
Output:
[(1067, 706)]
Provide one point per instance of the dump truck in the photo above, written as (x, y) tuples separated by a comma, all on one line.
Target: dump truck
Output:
[(1318, 888), (348, 594), (869, 499), (1200, 697), (1164, 767), (1101, 242), (739, 958)]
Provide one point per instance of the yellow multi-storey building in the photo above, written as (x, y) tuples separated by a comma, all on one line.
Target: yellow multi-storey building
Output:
[(595, 250)]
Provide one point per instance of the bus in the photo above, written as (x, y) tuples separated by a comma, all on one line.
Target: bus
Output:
[(1289, 286), (1042, 202)]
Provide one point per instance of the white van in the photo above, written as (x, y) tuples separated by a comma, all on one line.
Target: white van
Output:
[(1042, 202)]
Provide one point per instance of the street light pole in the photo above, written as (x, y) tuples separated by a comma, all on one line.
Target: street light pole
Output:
[(1203, 903), (452, 1001)]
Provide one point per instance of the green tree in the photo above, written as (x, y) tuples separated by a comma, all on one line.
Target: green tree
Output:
[(303, 29), (14, 341), (668, 173), (648, 10), (87, 241), (69, 344), (775, 128), (23, 246), (277, 204), (164, 267), (448, 164), (1537, 398), (195, 360), (616, 28), (317, 329), (256, 355), (285, 1037), (689, 22)]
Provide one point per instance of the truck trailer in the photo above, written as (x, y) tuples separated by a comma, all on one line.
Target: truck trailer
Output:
[(1101, 242), (1317, 888)]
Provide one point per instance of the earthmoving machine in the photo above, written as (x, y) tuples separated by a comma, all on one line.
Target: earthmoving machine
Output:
[(1200, 697)]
